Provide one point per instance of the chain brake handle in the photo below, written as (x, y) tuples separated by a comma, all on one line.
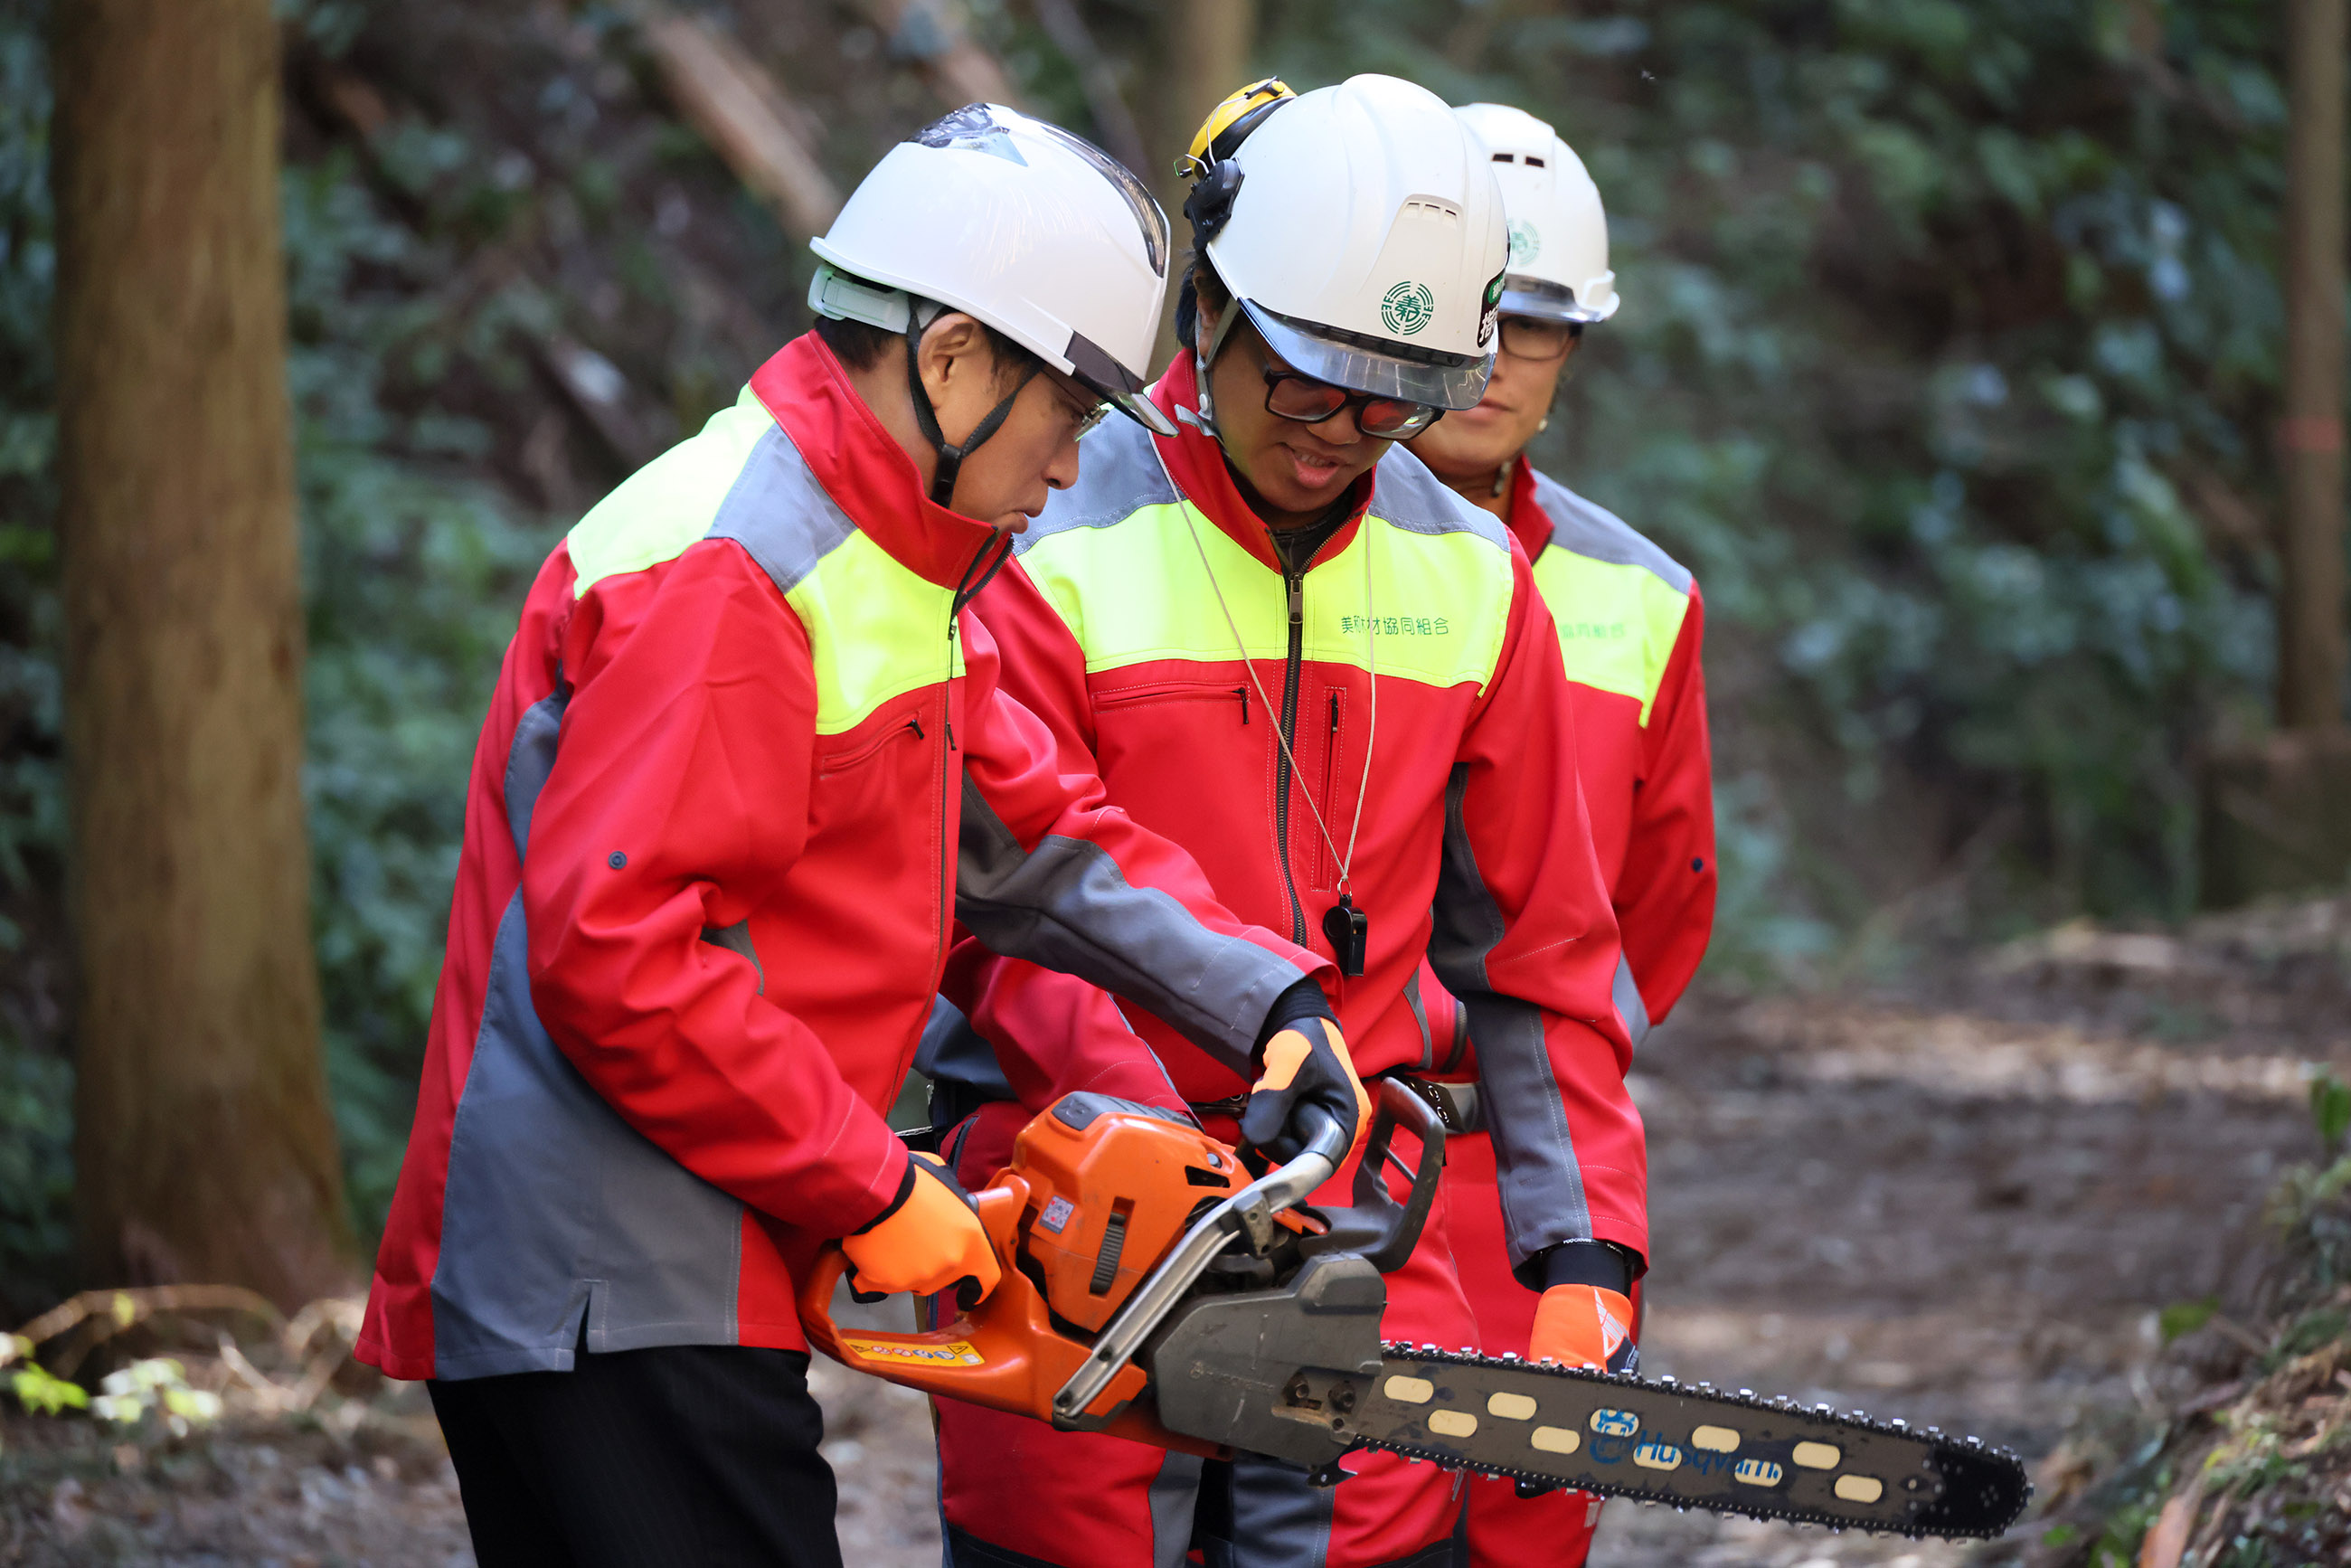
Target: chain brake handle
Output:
[(1384, 1230)]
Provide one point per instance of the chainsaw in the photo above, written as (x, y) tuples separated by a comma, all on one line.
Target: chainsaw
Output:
[(1153, 1291)]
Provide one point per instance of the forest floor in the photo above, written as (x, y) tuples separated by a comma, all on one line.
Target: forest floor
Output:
[(1965, 1205)]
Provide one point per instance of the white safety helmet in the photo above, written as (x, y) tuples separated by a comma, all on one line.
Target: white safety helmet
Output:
[(1559, 232), (1359, 230), (1019, 224)]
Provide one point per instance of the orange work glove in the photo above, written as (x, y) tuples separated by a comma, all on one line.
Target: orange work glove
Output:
[(930, 1240), (1305, 1063), (1584, 1325)]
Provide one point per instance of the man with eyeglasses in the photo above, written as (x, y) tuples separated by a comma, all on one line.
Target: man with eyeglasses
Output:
[(747, 759), (1285, 645), (1630, 623)]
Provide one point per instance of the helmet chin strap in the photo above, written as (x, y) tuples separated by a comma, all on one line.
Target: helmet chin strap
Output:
[(1202, 357), (951, 455)]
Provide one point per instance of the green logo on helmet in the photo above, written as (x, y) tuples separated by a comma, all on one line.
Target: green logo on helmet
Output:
[(1407, 307), (1525, 243)]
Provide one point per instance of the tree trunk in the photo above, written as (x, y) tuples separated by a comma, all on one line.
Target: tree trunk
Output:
[(2310, 439), (1207, 44), (204, 1148)]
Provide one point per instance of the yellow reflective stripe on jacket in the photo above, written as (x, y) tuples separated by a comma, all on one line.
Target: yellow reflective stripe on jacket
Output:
[(1617, 599), (876, 630), (669, 503), (1136, 593), (1617, 625)]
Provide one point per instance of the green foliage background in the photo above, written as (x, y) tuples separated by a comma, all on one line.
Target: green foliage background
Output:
[(1949, 332)]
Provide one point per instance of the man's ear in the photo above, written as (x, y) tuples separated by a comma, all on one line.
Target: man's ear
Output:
[(1204, 330), (954, 345)]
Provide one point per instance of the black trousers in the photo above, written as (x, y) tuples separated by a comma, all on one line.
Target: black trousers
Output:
[(695, 1455)]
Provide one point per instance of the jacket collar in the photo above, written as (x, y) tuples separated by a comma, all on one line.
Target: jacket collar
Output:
[(1196, 463), (864, 470), (1529, 521)]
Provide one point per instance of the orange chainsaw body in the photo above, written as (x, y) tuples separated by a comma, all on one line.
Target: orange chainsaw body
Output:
[(1093, 1200)]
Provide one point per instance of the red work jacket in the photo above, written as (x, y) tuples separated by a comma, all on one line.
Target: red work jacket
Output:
[(746, 761), (1631, 628), (1119, 622)]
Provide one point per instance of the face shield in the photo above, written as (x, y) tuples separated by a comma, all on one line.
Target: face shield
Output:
[(1524, 296), (1110, 380), (1366, 364)]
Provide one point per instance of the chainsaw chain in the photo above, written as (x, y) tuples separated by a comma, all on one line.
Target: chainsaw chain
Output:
[(1933, 1435)]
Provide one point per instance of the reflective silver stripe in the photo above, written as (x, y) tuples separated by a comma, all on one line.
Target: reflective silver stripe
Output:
[(1066, 906), (558, 1218), (1120, 475), (779, 512), (1420, 1017), (1627, 995), (1406, 495), (1542, 1186), (530, 758), (1592, 531), (1175, 1497)]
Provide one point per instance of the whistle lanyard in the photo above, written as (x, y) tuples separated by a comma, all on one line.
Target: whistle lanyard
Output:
[(1347, 926)]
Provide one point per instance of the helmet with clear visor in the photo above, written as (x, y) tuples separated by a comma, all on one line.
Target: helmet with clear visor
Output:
[(1558, 231), (1019, 224), (1358, 230)]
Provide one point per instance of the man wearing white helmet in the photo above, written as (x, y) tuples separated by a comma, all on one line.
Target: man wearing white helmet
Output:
[(746, 762), (1284, 644), (1630, 623)]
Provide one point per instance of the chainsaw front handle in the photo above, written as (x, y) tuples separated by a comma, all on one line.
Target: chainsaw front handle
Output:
[(1384, 1230), (1249, 1212)]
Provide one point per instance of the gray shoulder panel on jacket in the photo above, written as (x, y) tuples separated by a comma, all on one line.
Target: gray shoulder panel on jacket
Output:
[(779, 514), (1412, 498), (1118, 473), (1592, 531)]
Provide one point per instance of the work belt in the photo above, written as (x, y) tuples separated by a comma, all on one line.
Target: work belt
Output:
[(1459, 1105)]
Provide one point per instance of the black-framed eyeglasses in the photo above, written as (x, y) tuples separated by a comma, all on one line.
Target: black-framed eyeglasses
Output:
[(1294, 395), (1539, 340)]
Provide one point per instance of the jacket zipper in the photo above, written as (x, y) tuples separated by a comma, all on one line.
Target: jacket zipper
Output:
[(966, 592), (1296, 583), (1330, 788), (947, 769)]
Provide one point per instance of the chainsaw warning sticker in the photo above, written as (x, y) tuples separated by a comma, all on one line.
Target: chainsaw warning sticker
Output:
[(954, 1352), (1057, 1214)]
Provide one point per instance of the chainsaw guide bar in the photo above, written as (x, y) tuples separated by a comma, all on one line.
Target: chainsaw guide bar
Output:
[(1150, 1291), (1689, 1446)]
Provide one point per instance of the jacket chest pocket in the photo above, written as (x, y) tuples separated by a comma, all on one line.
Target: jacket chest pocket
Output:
[(875, 784), (1130, 700), (1174, 752), (856, 754)]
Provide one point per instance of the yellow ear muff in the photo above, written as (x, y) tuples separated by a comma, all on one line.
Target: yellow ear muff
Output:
[(1224, 130)]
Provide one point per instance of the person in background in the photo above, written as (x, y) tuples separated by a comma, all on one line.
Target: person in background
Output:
[(1630, 623), (747, 760), (1286, 645)]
